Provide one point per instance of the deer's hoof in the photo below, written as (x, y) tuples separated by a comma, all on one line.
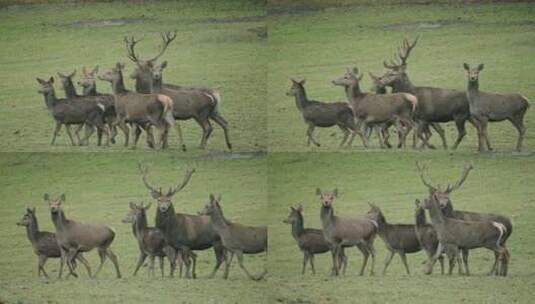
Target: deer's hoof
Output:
[(184, 148)]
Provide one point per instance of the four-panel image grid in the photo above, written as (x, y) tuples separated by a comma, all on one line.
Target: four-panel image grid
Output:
[(246, 151)]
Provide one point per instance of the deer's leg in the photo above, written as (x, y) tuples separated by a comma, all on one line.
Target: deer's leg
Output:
[(310, 132), (484, 130), (441, 133), (126, 131), (346, 135), (206, 130), (433, 258), (171, 257), (113, 259), (84, 262), (518, 123), (140, 260), (160, 258), (88, 132), (180, 137), (193, 257), (102, 256), (461, 131), (353, 129), (239, 255), (464, 253), (68, 128), (365, 254), (219, 252), (388, 259), (151, 266), (404, 260), (41, 266), (61, 261), (228, 261), (305, 261), (224, 125), (359, 129), (401, 133), (77, 133), (56, 132), (311, 259), (371, 249), (150, 136), (386, 135), (343, 260)]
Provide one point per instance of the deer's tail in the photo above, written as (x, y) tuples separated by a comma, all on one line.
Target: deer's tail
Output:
[(167, 113), (214, 95), (502, 230), (412, 100)]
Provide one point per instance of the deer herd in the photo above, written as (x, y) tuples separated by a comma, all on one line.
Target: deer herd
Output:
[(153, 103), (409, 107)]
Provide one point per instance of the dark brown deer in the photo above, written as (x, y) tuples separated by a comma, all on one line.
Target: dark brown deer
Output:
[(151, 241), (184, 232), (435, 105), (427, 236), (492, 107), (373, 109), (237, 239), (309, 240), (443, 196), (74, 237), (454, 234), (398, 238), (142, 109), (71, 111), (44, 243), (200, 104), (346, 232), (324, 115)]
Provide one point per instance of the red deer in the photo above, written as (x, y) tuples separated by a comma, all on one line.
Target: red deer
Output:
[(427, 236)]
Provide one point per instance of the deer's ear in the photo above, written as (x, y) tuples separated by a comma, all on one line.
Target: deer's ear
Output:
[(73, 73), (466, 66), (51, 80), (318, 191), (480, 67), (132, 205), (46, 197), (212, 197), (84, 71), (219, 197), (417, 202), (335, 192), (40, 81), (355, 71), (372, 76), (300, 208), (155, 194), (62, 198), (61, 75), (164, 64), (302, 82)]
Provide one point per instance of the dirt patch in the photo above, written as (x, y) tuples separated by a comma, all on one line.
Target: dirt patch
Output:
[(425, 24), (218, 155), (282, 10), (260, 31), (231, 19), (109, 22)]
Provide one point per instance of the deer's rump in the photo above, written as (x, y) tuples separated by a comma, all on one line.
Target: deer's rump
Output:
[(478, 217), (188, 103), (498, 106), (475, 234), (440, 105), (135, 106), (350, 231), (327, 114), (402, 237), (76, 110)]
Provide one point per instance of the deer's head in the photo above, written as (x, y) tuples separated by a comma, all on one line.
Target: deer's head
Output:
[(297, 87), (473, 73), (350, 78), (89, 79), (439, 194), (136, 212), (164, 199), (66, 79), (27, 218), (376, 214), (295, 215), (47, 87), (157, 70), (55, 205), (213, 206), (114, 74), (327, 198)]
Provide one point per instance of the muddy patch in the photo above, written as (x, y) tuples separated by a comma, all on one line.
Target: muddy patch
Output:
[(109, 22), (231, 19), (218, 155), (425, 24)]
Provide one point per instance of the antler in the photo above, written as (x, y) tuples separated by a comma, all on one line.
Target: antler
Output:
[(130, 45), (144, 171), (421, 170), (403, 53), (460, 182), (187, 177), (167, 38)]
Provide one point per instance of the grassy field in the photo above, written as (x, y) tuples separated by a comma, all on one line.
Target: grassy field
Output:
[(218, 44), (98, 189), (497, 184), (318, 43)]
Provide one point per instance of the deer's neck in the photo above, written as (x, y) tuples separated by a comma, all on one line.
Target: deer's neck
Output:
[(298, 227), (353, 92), (50, 99), (473, 89), (437, 218), (218, 220), (166, 220), (140, 226), (118, 86), (157, 84), (90, 91), (144, 85), (326, 216), (70, 90), (59, 220), (301, 99), (420, 217), (32, 230), (404, 85)]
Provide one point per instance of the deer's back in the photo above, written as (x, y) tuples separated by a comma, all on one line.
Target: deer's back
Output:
[(468, 234), (135, 105), (476, 216), (313, 241), (440, 105), (249, 239), (86, 236), (381, 107), (497, 106), (350, 231), (189, 103)]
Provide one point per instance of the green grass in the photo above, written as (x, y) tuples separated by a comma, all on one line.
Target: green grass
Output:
[(98, 189), (497, 184), (217, 45), (319, 44)]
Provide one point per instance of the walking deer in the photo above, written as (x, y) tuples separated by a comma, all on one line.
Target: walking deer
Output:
[(151, 241), (237, 239), (427, 236), (346, 232), (435, 105), (44, 243), (200, 104), (74, 237), (184, 232), (446, 206), (324, 115), (142, 109), (309, 240), (492, 107), (378, 109)]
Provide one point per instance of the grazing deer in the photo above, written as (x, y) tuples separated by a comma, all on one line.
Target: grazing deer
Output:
[(491, 107), (435, 105), (346, 232), (446, 207), (237, 239), (200, 104), (74, 237), (398, 238), (44, 243), (184, 232), (71, 111), (427, 236), (378, 109), (142, 109), (309, 240), (324, 115), (454, 234), (151, 241)]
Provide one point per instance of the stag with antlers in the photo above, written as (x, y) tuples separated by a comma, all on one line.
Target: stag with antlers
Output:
[(446, 206), (184, 232)]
